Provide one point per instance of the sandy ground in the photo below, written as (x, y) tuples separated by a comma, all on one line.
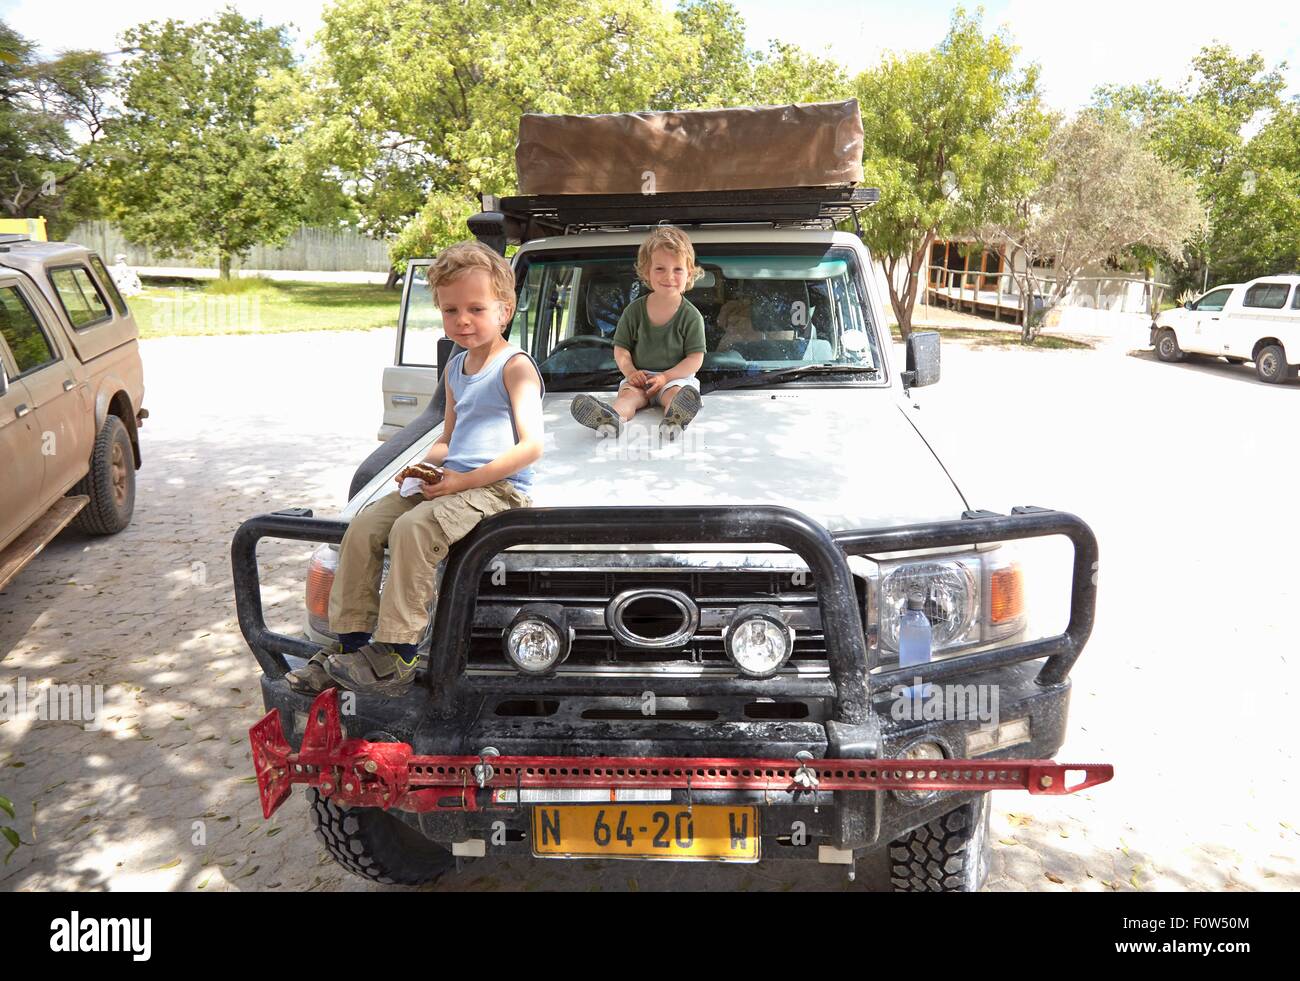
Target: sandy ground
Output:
[(1188, 686)]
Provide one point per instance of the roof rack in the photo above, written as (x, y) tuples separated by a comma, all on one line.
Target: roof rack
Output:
[(538, 215)]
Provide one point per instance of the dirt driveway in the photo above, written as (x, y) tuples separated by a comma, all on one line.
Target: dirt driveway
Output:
[(1185, 472)]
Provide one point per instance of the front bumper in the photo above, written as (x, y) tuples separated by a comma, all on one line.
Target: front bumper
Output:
[(451, 715)]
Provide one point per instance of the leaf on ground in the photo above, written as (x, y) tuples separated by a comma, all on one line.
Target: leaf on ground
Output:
[(204, 881), (1008, 841), (631, 885), (7, 805), (179, 718), (250, 872), (273, 832), (246, 780), (170, 865), (1054, 878), (1020, 820)]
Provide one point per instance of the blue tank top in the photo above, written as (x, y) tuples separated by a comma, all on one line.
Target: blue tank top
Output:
[(485, 424)]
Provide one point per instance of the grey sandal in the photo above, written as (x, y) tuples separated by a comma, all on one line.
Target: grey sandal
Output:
[(595, 414), (684, 407), (311, 679), (375, 669)]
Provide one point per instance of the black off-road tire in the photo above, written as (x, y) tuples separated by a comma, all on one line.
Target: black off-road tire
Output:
[(377, 846), (1271, 366), (1167, 348), (948, 854), (110, 484)]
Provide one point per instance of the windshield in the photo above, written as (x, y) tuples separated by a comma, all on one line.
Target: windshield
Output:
[(762, 314)]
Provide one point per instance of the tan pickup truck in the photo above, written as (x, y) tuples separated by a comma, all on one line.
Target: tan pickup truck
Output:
[(71, 394)]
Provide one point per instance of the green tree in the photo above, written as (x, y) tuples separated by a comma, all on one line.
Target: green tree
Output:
[(953, 138), (1201, 127), (192, 166), (1106, 194), (51, 115)]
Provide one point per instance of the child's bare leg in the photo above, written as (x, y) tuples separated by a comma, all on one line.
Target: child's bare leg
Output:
[(629, 402)]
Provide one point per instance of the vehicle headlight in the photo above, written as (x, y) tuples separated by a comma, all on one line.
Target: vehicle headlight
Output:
[(538, 638), (758, 640), (970, 599)]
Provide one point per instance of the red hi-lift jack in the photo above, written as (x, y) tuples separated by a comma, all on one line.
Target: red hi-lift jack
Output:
[(360, 773)]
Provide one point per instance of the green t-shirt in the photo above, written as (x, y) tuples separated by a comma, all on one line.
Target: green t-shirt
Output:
[(658, 348)]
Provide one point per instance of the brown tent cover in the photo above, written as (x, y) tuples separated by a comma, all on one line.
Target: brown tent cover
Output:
[(805, 145)]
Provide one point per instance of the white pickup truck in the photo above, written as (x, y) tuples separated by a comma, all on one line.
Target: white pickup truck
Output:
[(1257, 321)]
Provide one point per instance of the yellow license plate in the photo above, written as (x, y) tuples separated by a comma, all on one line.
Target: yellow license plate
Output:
[(707, 833)]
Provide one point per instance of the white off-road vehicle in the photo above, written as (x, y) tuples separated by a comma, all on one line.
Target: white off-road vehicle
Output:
[(718, 676), (1257, 321)]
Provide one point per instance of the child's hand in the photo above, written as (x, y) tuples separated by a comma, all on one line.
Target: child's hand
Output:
[(638, 378), (452, 482), (656, 385)]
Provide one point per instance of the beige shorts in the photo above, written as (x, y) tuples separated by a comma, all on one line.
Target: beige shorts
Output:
[(690, 381)]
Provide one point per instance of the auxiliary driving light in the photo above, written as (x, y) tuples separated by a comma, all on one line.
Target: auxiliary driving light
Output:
[(758, 640), (538, 638)]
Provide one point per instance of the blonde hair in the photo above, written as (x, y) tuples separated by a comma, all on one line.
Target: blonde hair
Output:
[(463, 257), (671, 239)]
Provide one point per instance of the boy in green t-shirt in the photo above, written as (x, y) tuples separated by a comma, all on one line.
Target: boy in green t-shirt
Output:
[(658, 344)]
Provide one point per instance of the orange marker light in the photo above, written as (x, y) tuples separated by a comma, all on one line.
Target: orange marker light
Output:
[(319, 581), (1006, 594)]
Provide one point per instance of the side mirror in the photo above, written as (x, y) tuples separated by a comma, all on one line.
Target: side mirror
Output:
[(922, 359), (1188, 305), (4, 380)]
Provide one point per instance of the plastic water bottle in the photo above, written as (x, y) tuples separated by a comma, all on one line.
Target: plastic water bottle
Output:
[(914, 639)]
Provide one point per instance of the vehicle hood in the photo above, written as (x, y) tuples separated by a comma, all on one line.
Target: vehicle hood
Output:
[(848, 458)]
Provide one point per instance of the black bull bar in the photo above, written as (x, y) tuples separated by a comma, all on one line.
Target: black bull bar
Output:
[(825, 554)]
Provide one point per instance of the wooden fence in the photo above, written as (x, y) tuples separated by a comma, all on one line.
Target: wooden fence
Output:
[(317, 249)]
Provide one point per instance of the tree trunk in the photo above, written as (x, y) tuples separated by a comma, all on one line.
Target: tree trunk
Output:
[(904, 304), (225, 265), (391, 282)]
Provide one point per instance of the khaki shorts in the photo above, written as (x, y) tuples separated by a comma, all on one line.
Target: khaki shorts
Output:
[(418, 534)]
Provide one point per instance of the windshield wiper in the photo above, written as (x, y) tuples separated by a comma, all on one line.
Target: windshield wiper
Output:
[(763, 378), (576, 382)]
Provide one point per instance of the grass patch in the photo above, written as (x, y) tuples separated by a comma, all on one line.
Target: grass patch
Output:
[(190, 308), (1003, 339)]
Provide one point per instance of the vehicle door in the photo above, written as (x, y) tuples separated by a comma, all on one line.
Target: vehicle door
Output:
[(24, 447), (60, 399), (412, 379), (1206, 315), (1261, 313)]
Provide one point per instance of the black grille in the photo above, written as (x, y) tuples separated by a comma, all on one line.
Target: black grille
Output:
[(597, 647)]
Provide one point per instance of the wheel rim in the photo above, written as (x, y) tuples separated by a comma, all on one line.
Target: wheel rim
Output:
[(118, 467), (1268, 365), (1167, 347)]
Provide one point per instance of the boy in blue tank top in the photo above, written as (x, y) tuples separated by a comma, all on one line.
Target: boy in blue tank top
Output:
[(490, 440)]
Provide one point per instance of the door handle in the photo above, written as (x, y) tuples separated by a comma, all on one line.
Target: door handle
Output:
[(69, 384), (1214, 318), (22, 410), (404, 400)]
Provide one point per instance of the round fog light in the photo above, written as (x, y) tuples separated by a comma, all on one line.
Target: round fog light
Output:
[(758, 641), (538, 638)]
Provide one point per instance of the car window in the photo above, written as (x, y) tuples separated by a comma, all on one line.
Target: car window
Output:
[(30, 348), (81, 299), (1295, 303), (423, 320), (97, 264), (1215, 301), (1267, 296)]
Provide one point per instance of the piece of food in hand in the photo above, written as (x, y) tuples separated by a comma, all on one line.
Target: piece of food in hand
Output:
[(425, 471)]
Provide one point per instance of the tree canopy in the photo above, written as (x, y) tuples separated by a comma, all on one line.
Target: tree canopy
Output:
[(1105, 193), (191, 166), (1204, 127), (954, 136)]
